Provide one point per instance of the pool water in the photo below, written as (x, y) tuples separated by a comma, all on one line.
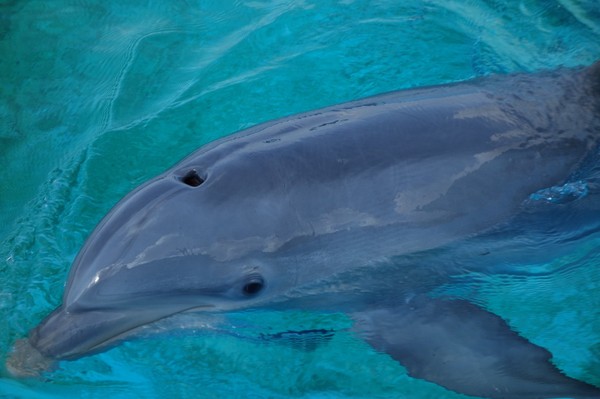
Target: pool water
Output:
[(99, 96)]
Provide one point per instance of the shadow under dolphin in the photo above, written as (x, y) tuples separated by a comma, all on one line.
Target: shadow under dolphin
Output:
[(287, 214)]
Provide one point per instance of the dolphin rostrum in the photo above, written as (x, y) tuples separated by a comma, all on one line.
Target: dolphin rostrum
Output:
[(350, 209)]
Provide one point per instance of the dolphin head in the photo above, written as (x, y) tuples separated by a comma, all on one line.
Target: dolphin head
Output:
[(231, 227), (187, 239), (160, 244)]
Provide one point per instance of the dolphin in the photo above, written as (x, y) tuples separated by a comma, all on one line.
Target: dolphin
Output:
[(352, 208)]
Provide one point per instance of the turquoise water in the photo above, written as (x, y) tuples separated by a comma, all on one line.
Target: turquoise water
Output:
[(97, 97)]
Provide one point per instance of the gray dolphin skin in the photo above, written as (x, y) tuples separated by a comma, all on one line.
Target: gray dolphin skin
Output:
[(353, 208)]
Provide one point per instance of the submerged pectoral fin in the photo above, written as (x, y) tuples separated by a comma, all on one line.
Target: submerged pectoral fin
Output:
[(466, 349)]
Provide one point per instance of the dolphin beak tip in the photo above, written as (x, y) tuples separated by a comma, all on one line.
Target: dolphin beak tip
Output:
[(26, 361)]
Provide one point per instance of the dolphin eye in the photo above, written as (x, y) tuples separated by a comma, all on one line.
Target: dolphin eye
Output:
[(192, 178), (253, 286)]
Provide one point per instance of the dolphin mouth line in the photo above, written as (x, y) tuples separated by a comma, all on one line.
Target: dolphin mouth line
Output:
[(197, 309), (115, 339)]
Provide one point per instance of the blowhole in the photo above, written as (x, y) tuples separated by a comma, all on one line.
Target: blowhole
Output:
[(192, 178)]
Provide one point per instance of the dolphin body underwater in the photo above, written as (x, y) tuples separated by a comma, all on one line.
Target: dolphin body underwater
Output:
[(349, 209)]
